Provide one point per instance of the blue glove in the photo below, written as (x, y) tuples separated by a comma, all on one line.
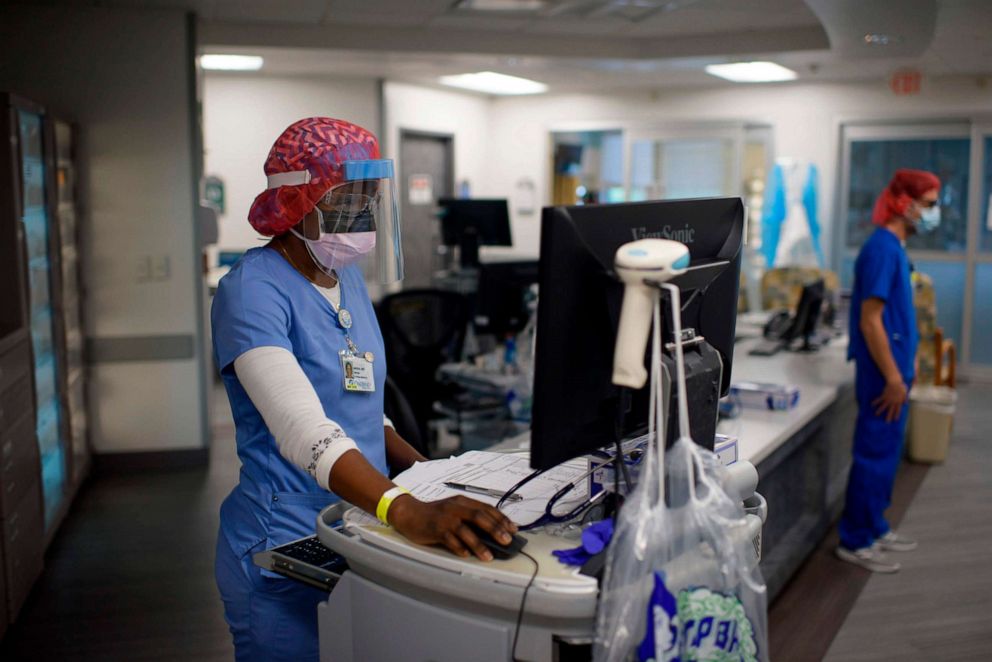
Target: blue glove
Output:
[(595, 538)]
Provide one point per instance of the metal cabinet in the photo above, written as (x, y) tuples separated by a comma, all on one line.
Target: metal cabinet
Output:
[(21, 520), (43, 449)]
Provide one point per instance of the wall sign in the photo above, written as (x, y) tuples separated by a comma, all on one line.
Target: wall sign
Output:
[(420, 189), (213, 193)]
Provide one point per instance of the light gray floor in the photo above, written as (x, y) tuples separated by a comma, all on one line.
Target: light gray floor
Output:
[(939, 606)]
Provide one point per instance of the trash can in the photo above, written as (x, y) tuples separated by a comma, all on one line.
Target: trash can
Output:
[(931, 416)]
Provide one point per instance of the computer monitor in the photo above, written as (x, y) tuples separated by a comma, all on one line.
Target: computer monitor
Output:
[(501, 299), (469, 224), (576, 407), (807, 316)]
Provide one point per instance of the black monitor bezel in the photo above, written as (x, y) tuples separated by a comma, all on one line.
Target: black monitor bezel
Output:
[(456, 217), (574, 236)]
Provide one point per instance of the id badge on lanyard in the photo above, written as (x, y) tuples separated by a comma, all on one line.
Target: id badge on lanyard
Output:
[(357, 372)]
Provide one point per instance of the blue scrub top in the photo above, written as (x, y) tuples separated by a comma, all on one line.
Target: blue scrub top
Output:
[(264, 301), (882, 271)]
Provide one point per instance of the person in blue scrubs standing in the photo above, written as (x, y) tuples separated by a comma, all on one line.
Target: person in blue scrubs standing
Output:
[(883, 342), (301, 356)]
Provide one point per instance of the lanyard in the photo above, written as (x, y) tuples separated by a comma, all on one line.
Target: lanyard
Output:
[(345, 322), (341, 314)]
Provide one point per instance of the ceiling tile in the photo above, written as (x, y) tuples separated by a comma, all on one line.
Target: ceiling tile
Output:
[(264, 11)]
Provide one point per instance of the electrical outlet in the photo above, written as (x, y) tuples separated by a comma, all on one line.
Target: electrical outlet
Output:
[(143, 268), (161, 268)]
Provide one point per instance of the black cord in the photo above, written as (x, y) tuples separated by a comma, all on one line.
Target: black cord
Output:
[(523, 601)]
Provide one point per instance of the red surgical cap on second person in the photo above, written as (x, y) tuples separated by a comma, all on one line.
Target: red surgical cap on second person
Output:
[(906, 186)]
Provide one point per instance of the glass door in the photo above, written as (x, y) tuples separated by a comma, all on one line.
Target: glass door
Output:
[(978, 345), (42, 312), (587, 167), (71, 301), (958, 255), (685, 163)]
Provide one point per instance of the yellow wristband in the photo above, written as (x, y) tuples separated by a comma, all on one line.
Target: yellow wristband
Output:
[(386, 500)]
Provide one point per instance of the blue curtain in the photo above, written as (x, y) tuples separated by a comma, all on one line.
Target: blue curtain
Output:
[(774, 215), (809, 203)]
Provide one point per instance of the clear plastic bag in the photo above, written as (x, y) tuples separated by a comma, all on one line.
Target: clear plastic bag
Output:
[(682, 580)]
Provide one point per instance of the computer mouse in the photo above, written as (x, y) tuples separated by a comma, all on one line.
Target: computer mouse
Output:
[(500, 552)]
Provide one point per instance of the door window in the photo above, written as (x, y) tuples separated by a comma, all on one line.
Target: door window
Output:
[(872, 164)]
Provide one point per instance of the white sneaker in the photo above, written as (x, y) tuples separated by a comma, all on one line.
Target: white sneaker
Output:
[(870, 558), (893, 542)]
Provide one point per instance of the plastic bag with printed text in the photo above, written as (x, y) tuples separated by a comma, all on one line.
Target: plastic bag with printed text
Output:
[(682, 580)]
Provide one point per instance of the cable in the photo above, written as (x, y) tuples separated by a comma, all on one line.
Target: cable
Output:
[(523, 601)]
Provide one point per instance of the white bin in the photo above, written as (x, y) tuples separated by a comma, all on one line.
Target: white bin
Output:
[(931, 417)]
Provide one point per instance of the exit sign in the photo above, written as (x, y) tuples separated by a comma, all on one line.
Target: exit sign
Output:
[(906, 82)]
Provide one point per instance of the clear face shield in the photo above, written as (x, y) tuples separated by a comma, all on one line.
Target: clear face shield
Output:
[(358, 217)]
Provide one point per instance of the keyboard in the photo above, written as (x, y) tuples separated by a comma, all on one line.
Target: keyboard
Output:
[(767, 348), (306, 560)]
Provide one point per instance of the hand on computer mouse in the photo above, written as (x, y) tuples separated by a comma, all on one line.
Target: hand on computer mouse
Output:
[(500, 550), (449, 522)]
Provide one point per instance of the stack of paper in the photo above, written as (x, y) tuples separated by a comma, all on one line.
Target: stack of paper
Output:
[(497, 471)]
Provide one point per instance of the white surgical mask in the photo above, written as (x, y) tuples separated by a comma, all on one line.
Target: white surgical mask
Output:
[(929, 219)]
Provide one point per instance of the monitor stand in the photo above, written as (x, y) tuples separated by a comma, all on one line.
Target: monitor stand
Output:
[(812, 343), (468, 247)]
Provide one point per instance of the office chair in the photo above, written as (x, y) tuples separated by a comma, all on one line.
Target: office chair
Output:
[(937, 355), (782, 286), (399, 411), (422, 329)]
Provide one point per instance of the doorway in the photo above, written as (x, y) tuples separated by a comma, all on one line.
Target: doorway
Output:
[(427, 175), (958, 254)]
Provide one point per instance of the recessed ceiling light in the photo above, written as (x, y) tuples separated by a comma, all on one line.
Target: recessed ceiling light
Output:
[(220, 62), (502, 5), (751, 72), (491, 82), (881, 39)]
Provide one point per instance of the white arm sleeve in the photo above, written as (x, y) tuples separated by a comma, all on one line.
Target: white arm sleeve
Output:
[(285, 398)]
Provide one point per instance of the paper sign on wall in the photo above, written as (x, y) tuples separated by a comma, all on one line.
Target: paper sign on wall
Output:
[(421, 189)]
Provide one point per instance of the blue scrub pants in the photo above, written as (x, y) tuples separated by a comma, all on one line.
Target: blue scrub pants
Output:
[(270, 619), (877, 454)]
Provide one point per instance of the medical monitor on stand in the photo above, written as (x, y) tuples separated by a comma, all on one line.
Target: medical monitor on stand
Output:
[(576, 407), (501, 301), (469, 224), (807, 316)]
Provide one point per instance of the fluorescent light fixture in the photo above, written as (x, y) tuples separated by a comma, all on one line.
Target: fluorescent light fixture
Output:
[(491, 82), (219, 62), (751, 72), (502, 5)]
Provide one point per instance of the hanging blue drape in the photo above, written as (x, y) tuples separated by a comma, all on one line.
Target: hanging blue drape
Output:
[(809, 203), (773, 216)]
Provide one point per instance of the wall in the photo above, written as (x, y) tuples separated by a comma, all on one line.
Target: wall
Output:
[(123, 76), (804, 118), (468, 117), (243, 114)]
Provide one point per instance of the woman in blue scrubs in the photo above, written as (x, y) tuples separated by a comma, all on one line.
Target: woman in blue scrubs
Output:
[(301, 356), (883, 342)]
